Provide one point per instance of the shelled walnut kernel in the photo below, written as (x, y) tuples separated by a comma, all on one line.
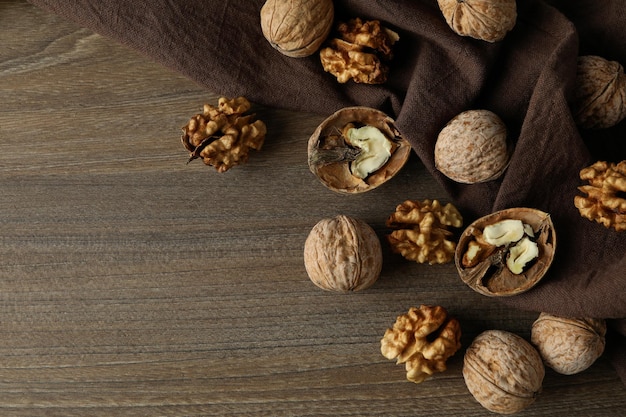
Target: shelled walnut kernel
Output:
[(423, 339), (421, 231), (223, 136), (360, 52), (605, 200)]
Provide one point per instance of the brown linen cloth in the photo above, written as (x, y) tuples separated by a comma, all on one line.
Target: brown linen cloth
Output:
[(527, 79)]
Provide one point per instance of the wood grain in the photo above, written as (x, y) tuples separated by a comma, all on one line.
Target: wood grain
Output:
[(134, 284)]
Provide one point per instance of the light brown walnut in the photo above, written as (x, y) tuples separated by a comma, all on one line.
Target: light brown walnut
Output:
[(600, 93), (488, 20), (472, 147), (503, 371), (422, 233), (605, 199), (343, 254), (568, 345), (423, 339), (297, 28)]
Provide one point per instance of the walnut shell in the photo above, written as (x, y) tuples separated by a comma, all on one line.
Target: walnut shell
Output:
[(487, 20), (568, 345), (334, 171), (343, 254), (297, 28), (490, 276), (600, 93), (472, 147), (503, 371)]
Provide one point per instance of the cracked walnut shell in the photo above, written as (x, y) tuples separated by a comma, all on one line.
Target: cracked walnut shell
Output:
[(600, 93), (423, 339), (568, 345), (487, 271), (488, 20), (360, 52), (422, 233), (605, 200), (223, 136), (343, 254), (330, 153), (472, 147), (297, 28), (503, 371)]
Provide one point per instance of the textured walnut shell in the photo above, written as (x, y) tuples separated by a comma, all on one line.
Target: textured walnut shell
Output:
[(297, 28), (491, 277), (488, 20), (343, 254), (503, 371), (336, 175), (568, 345), (600, 94), (472, 147)]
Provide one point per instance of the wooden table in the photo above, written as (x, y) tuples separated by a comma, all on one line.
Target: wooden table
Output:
[(133, 283)]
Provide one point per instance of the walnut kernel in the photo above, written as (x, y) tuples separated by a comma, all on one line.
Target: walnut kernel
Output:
[(360, 52), (223, 136), (605, 200), (472, 147), (503, 371), (343, 254), (488, 20), (423, 339), (568, 345), (422, 233), (600, 93), (297, 28)]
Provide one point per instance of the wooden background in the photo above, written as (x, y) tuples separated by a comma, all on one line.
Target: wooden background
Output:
[(134, 284)]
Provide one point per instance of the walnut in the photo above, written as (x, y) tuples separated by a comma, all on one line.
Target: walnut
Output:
[(223, 136), (422, 233), (568, 345), (600, 93), (488, 20), (472, 147), (605, 200), (343, 254), (360, 52), (352, 166), (423, 339), (503, 371), (297, 28), (506, 252)]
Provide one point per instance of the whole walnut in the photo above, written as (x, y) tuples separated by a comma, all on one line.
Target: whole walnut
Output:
[(488, 20), (472, 147), (297, 28), (600, 93), (503, 371), (568, 345), (343, 254)]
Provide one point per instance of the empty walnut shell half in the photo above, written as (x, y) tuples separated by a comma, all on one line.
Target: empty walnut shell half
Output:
[(491, 275), (331, 155)]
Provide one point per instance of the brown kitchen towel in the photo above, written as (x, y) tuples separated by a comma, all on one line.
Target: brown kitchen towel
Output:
[(527, 79)]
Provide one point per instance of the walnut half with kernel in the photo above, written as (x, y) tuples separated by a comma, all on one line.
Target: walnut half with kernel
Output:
[(357, 149), (506, 252)]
